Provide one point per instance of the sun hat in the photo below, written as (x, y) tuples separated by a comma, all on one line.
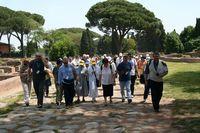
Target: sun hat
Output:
[(81, 63)]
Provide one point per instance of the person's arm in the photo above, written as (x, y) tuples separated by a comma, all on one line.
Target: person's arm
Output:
[(164, 70), (100, 76)]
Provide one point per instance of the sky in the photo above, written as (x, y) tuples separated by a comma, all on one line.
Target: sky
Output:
[(174, 14)]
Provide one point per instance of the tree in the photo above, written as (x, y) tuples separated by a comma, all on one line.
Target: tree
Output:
[(173, 43), (193, 44), (62, 47), (5, 14), (187, 34), (21, 24), (87, 44), (197, 28), (31, 48), (104, 45), (128, 46), (118, 17), (151, 39)]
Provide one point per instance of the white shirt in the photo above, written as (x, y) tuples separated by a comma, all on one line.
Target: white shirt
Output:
[(133, 65), (107, 75), (119, 60)]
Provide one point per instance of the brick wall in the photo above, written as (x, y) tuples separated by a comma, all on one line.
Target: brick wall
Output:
[(4, 48)]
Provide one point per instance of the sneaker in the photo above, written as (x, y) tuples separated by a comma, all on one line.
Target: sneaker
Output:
[(157, 110), (111, 101), (77, 101), (123, 100), (39, 106), (144, 101), (27, 104), (105, 104), (58, 107), (129, 101)]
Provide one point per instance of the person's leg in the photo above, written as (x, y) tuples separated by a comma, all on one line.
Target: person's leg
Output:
[(47, 91), (159, 94), (29, 90), (25, 89), (122, 85), (57, 94), (133, 78), (111, 92), (146, 91), (66, 94), (41, 93), (154, 95), (72, 93), (128, 91), (36, 88)]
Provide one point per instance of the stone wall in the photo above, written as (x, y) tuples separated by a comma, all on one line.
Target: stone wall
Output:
[(10, 86), (8, 69), (175, 59)]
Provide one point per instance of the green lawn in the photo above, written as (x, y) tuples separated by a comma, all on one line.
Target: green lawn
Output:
[(183, 84), (12, 103)]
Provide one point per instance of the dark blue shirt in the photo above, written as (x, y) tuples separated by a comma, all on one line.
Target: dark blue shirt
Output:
[(124, 69), (37, 67)]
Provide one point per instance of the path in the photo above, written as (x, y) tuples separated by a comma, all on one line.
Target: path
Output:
[(90, 117)]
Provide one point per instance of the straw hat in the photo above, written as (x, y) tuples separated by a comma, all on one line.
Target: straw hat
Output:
[(81, 63), (93, 62)]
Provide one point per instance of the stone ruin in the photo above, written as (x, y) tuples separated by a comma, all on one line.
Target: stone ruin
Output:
[(9, 77), (9, 68)]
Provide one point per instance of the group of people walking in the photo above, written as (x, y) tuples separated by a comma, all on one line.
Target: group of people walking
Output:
[(82, 76)]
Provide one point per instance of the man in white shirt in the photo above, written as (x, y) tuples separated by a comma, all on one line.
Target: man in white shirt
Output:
[(133, 73)]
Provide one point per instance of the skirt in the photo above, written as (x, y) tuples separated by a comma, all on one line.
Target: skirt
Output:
[(107, 90)]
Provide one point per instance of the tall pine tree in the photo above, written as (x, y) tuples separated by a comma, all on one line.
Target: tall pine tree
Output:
[(87, 44)]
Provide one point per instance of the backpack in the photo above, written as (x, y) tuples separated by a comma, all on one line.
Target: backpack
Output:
[(110, 67)]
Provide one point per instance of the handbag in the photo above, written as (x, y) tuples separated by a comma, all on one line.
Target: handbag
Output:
[(98, 83), (48, 82)]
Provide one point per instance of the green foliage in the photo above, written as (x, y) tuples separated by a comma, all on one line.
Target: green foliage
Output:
[(197, 28), (128, 46), (173, 43), (87, 44), (193, 44), (18, 24), (31, 48), (119, 17), (104, 45), (61, 46), (187, 34), (151, 39)]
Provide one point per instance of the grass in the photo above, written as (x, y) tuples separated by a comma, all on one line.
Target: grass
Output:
[(183, 84), (12, 103)]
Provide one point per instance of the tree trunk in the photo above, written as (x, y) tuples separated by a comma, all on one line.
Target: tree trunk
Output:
[(120, 43), (22, 45), (115, 43), (1, 34), (8, 37)]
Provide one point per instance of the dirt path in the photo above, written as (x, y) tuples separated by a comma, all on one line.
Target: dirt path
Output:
[(90, 117)]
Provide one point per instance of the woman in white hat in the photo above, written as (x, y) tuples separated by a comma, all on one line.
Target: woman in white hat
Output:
[(81, 85), (93, 72)]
